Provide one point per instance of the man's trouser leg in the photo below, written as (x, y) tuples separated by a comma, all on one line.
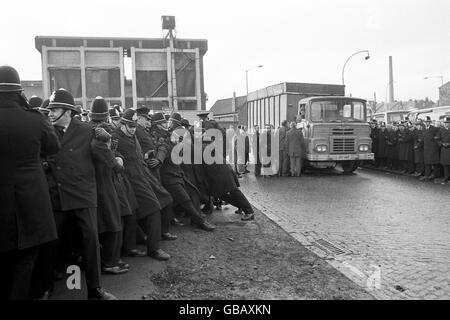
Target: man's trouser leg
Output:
[(446, 171), (285, 164), (437, 170), (281, 161), (191, 206), (258, 169), (129, 227), (42, 280), (87, 222), (167, 215), (110, 251), (298, 166), (420, 168), (152, 226), (427, 170), (237, 199), (292, 163), (16, 272)]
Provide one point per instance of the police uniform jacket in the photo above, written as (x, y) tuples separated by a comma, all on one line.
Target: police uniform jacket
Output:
[(108, 210), (430, 145), (405, 146), (147, 146), (444, 139), (381, 144), (418, 146), (73, 167), (391, 144), (374, 137), (135, 168), (26, 218)]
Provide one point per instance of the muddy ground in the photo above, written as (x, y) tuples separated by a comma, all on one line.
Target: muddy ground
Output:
[(239, 260)]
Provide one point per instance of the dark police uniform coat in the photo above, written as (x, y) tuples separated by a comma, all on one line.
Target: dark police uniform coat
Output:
[(73, 167), (171, 173), (374, 137), (146, 143), (381, 144), (108, 210), (430, 145), (26, 218), (405, 145), (135, 170), (418, 146), (391, 144), (444, 139)]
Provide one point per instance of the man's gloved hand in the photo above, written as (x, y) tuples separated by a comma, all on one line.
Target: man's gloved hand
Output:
[(102, 135)]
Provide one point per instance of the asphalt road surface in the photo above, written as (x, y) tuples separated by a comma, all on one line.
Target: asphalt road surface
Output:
[(388, 233)]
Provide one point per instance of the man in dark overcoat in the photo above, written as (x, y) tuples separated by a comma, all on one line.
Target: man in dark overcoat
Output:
[(184, 193), (406, 151), (444, 141), (152, 170), (430, 151), (108, 210), (223, 182), (418, 149), (74, 172), (380, 156), (148, 213), (26, 218)]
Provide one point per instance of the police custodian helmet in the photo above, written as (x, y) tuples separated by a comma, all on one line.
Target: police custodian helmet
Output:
[(9, 79)]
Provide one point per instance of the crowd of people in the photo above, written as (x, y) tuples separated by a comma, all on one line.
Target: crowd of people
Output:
[(419, 149), (290, 150), (88, 187)]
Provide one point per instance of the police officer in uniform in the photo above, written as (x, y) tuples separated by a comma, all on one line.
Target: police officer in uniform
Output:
[(444, 141), (184, 193), (430, 150), (74, 172), (108, 210), (148, 213), (26, 218)]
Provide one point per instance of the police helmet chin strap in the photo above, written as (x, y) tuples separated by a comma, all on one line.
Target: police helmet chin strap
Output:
[(128, 131), (65, 110)]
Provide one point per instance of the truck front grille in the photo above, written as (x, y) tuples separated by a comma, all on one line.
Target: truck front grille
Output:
[(343, 145)]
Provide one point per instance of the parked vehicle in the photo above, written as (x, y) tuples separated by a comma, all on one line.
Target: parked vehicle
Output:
[(336, 131)]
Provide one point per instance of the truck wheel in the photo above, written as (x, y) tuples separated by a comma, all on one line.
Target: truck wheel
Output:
[(349, 166)]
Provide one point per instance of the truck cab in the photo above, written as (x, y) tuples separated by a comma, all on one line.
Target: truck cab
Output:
[(335, 131)]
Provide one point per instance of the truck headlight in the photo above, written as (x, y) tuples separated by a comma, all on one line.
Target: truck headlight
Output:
[(363, 147), (321, 148)]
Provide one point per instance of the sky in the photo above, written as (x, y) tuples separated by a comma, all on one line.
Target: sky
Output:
[(294, 41)]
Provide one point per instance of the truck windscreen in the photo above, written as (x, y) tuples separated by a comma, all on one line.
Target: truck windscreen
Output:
[(338, 111)]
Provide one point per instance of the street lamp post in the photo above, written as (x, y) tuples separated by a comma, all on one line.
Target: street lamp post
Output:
[(343, 68), (246, 76)]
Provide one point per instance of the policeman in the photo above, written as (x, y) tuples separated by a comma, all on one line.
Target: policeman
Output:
[(108, 210), (148, 148), (430, 150), (26, 218), (43, 107), (381, 146), (184, 193), (406, 151), (114, 116), (74, 171), (224, 185), (35, 102), (418, 149), (444, 141), (148, 213)]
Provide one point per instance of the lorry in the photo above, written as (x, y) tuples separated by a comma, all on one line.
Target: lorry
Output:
[(334, 126), (335, 131)]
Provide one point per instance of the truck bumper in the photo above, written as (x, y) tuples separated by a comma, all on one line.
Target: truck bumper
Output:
[(340, 157)]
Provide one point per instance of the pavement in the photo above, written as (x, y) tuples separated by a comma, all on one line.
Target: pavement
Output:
[(388, 233)]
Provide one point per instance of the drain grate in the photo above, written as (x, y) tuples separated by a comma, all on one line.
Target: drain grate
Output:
[(328, 246)]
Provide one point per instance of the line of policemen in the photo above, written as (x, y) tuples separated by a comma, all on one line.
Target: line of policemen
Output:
[(92, 185), (419, 149)]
